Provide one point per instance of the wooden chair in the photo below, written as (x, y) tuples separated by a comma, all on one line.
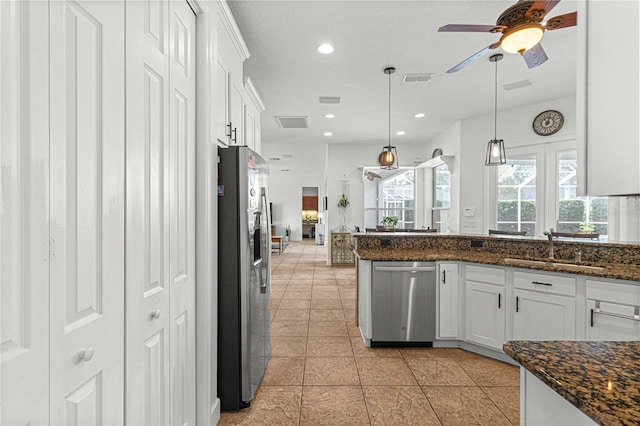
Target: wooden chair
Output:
[(498, 232)]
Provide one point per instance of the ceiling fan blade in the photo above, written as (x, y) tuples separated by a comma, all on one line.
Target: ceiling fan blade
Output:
[(535, 56), (471, 28), (540, 8), (562, 21), (473, 58)]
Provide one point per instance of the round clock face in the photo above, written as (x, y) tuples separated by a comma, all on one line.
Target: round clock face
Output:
[(548, 122)]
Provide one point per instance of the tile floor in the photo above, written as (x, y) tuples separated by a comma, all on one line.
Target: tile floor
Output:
[(322, 374)]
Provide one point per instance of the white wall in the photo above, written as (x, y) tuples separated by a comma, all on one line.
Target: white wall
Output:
[(343, 162)]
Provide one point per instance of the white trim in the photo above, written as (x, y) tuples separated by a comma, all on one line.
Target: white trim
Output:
[(253, 95), (229, 22), (437, 161), (198, 6)]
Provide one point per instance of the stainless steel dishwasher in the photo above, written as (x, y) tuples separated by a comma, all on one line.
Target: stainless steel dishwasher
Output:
[(403, 303)]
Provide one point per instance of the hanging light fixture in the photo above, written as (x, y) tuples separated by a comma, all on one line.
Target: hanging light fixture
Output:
[(495, 149), (388, 158)]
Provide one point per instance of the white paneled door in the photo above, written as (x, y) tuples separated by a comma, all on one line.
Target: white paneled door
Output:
[(24, 212), (87, 212), (160, 307)]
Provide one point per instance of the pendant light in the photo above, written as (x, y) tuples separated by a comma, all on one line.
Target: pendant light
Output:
[(388, 158), (496, 154)]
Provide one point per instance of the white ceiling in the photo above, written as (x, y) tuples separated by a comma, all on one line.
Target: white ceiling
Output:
[(368, 36)]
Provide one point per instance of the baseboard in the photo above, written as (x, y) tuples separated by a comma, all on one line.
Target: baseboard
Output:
[(215, 412)]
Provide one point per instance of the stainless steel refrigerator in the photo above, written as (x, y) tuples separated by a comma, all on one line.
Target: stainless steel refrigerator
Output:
[(244, 251)]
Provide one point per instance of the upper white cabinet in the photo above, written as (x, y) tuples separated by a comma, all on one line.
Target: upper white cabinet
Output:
[(607, 96), (253, 109), (448, 300), (485, 305)]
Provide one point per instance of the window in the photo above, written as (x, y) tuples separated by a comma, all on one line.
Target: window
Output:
[(517, 195), (578, 214), (396, 197), (441, 198)]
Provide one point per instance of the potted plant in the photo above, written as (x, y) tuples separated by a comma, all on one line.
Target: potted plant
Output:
[(343, 202), (390, 222)]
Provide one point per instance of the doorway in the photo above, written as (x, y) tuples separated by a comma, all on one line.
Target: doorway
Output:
[(309, 216)]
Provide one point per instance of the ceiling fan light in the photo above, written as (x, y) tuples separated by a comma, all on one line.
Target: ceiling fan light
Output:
[(521, 38), (388, 158), (496, 154)]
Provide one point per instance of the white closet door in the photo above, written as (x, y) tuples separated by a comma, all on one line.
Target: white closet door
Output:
[(147, 240), (24, 212), (87, 212), (182, 31)]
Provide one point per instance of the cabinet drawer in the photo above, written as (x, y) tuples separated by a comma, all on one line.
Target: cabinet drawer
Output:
[(545, 283), (626, 294), (485, 275)]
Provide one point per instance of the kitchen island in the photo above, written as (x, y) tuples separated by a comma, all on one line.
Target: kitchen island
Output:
[(596, 379)]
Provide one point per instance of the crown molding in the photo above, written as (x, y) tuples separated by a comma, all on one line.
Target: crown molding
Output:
[(253, 95), (232, 29)]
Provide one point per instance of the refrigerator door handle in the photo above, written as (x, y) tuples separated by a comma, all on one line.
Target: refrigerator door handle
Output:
[(258, 265)]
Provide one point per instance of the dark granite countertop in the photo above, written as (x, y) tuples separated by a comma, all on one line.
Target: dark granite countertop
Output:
[(599, 378)]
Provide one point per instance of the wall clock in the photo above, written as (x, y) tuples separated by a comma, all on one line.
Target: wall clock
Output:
[(548, 122)]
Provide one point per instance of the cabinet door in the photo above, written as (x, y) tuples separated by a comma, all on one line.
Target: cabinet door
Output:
[(539, 316), (24, 212), (613, 321), (87, 212), (237, 115), (249, 127), (448, 301), (485, 314), (222, 103)]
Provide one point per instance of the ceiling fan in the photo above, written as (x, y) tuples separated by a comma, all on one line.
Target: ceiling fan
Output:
[(522, 28), (371, 175)]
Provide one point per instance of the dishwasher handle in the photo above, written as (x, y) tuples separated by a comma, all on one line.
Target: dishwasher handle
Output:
[(405, 268)]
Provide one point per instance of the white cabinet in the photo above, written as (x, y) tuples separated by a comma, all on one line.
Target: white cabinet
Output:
[(448, 300), (364, 297), (485, 309), (540, 316), (222, 114), (236, 121), (253, 108), (613, 310), (608, 71), (544, 306)]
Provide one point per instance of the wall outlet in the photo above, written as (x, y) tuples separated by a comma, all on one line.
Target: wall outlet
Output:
[(476, 243), (469, 212)]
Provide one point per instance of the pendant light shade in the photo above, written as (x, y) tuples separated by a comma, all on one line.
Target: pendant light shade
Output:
[(496, 154), (388, 158)]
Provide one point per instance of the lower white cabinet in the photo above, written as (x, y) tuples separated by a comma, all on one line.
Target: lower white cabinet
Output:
[(541, 316), (448, 301), (612, 311), (364, 297), (485, 314)]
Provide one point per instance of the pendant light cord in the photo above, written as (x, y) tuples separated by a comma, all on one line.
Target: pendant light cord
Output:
[(389, 143), (495, 105)]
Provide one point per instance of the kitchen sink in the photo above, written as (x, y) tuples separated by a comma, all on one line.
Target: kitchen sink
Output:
[(551, 264)]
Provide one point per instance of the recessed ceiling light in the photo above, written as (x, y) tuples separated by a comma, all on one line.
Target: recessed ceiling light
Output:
[(400, 133), (287, 156), (419, 115), (274, 158), (328, 134), (325, 48), (285, 170), (329, 116)]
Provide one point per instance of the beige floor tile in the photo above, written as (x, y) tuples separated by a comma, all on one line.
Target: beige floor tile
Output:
[(384, 371), (462, 406), (334, 295), (425, 353), (329, 347), (284, 372), (300, 282), (489, 372), (350, 314), (292, 315), (354, 330), (289, 328), (326, 315), (349, 304), (276, 295), (461, 353), (272, 405), (340, 282), (333, 405), (331, 371), (398, 405), (507, 398), (273, 304), (296, 295), (361, 351), (294, 304), (328, 328), (347, 293), (289, 347), (434, 371), (326, 304)]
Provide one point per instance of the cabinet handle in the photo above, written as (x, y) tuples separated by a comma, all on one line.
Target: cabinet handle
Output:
[(499, 300), (229, 131), (596, 310), (87, 354), (444, 277), (539, 283), (234, 138), (517, 304), (592, 317), (155, 314)]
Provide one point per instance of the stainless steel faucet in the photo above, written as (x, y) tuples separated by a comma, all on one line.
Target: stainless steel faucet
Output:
[(549, 235)]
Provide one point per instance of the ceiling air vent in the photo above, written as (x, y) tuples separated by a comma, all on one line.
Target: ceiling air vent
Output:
[(300, 122), (417, 77), (329, 99), (517, 84)]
